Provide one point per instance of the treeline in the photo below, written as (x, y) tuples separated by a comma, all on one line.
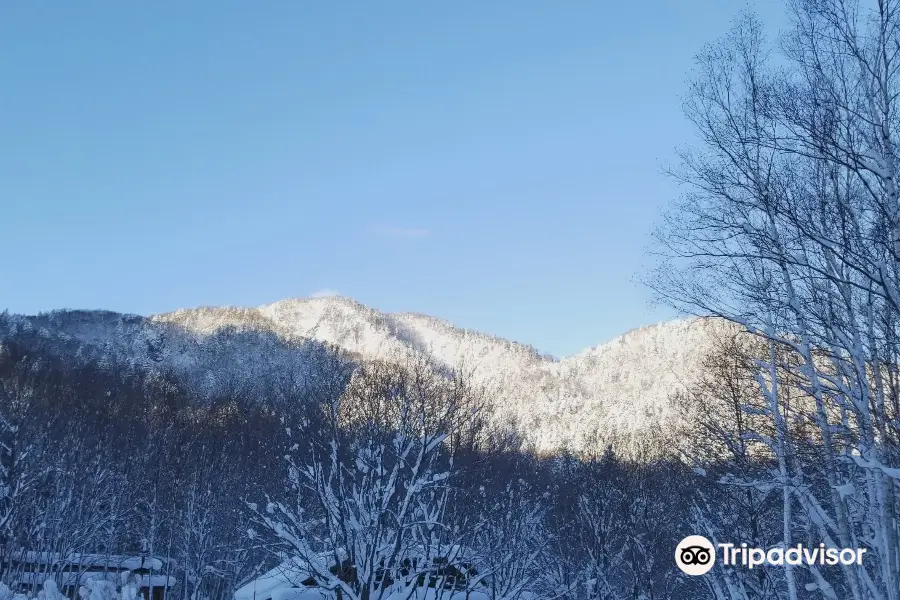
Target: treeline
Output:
[(95, 462)]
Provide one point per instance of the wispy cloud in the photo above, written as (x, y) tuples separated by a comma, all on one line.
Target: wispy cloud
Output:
[(401, 232), (324, 293)]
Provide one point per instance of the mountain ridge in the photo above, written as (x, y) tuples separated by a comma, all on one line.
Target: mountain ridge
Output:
[(416, 315), (621, 388)]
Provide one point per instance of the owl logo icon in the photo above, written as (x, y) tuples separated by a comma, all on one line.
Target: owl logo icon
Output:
[(695, 555)]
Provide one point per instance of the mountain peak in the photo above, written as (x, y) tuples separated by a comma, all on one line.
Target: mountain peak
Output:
[(625, 384)]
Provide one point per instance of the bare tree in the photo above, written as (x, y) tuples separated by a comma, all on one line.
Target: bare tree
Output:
[(370, 491), (791, 228), (508, 541)]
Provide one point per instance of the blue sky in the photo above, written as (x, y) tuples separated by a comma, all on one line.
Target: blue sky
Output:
[(497, 164)]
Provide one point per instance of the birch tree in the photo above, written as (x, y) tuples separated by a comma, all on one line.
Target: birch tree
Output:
[(791, 228)]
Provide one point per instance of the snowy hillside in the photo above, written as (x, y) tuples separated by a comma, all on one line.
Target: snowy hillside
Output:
[(622, 387)]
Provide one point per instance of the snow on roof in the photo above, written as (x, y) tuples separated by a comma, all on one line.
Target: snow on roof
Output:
[(114, 561), (273, 584), (417, 594), (67, 579), (285, 582), (302, 594)]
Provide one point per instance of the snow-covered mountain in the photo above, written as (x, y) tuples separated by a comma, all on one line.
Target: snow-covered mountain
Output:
[(623, 387)]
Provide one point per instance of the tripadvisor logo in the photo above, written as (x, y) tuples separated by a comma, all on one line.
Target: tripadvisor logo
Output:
[(696, 555)]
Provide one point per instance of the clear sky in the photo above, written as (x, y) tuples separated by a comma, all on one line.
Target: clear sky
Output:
[(495, 163)]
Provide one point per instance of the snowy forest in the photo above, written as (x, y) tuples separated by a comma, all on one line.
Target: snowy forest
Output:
[(383, 480)]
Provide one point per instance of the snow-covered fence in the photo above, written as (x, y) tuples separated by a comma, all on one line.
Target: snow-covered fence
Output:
[(32, 573)]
